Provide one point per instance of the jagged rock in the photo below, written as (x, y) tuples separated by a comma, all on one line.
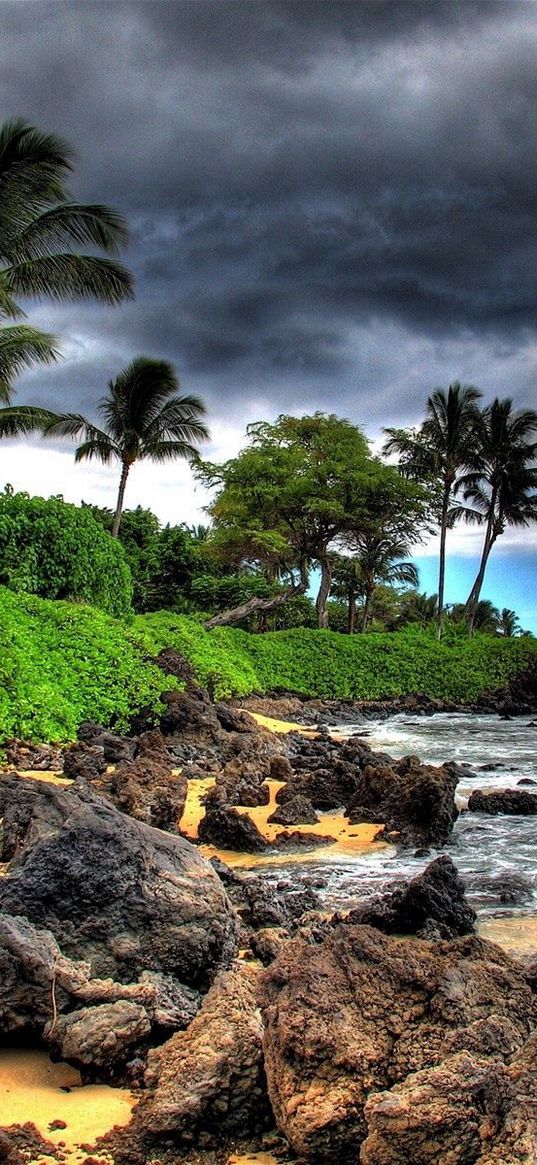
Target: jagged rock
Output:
[(267, 943), (241, 781), (33, 757), (413, 800), (210, 1077), (190, 713), (84, 760), (509, 801), (115, 748), (262, 905), (102, 1037), (432, 905), (298, 811), (290, 842), (33, 976), (174, 1005), (354, 1015), (233, 719), (223, 826), (325, 788), (280, 768), (146, 788), (126, 896)]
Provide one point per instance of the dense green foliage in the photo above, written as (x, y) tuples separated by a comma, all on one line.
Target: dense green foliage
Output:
[(58, 551), (326, 663), (61, 663)]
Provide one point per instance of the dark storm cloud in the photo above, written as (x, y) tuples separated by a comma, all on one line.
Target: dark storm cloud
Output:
[(322, 195)]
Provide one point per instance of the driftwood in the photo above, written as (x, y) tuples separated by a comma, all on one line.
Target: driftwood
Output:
[(236, 614)]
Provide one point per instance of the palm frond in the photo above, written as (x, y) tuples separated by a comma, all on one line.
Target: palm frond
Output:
[(66, 276), (21, 420), (170, 451), (70, 222), (21, 347), (97, 448)]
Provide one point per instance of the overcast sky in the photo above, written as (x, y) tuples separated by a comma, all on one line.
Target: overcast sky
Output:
[(333, 206)]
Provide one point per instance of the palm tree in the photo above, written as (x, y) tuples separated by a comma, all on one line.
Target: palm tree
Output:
[(502, 480), (439, 449), (486, 619), (420, 608), (346, 584), (378, 561), (509, 624), (41, 231), (142, 417)]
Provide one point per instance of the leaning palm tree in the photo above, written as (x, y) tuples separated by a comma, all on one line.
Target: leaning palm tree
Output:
[(41, 233), (143, 418), (501, 484), (439, 450)]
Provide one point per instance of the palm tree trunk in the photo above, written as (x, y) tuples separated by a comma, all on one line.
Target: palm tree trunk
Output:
[(367, 604), (351, 612), (120, 498), (490, 538), (442, 561), (324, 591)]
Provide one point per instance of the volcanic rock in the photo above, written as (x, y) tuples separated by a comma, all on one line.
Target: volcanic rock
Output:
[(358, 1013), (512, 802), (433, 905), (146, 788), (210, 1077), (416, 801), (125, 896), (298, 811), (223, 826), (102, 1037)]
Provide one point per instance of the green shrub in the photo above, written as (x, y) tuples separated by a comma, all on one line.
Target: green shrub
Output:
[(59, 551), (61, 663)]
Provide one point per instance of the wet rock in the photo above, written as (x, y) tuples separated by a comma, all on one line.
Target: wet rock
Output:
[(210, 1077), (223, 826), (414, 800), (325, 788), (506, 801), (146, 789), (526, 781), (298, 811), (357, 1014), (507, 889), (102, 1038), (433, 905), (126, 896)]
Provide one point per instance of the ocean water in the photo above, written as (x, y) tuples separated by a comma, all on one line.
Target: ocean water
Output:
[(496, 856)]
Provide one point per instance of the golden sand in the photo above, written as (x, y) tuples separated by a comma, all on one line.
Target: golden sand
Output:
[(32, 1089), (52, 776), (281, 726), (348, 839), (252, 1159), (518, 936)]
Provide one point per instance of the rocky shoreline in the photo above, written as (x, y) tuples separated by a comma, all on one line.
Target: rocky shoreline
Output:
[(239, 1012)]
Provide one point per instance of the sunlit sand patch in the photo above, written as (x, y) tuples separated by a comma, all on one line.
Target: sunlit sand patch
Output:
[(32, 1089), (282, 726), (518, 935), (252, 1159), (52, 776), (194, 809), (348, 839)]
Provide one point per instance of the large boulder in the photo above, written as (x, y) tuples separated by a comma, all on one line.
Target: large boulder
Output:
[(431, 905), (210, 1077), (35, 978), (103, 1037), (414, 801), (360, 1013), (513, 802), (121, 894)]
